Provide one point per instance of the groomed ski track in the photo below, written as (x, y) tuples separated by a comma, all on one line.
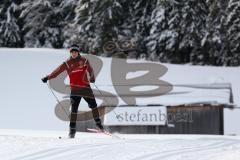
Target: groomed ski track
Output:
[(41, 145)]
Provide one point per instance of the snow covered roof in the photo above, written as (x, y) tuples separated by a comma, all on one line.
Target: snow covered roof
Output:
[(184, 95)]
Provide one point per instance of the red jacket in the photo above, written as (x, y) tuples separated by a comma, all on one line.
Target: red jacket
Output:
[(77, 70)]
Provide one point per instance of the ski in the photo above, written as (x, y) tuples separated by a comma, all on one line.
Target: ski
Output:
[(103, 132)]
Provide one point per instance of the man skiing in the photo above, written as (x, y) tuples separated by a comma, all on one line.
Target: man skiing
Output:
[(78, 69)]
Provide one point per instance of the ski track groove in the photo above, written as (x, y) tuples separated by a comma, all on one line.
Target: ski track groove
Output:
[(84, 152), (192, 151), (168, 151), (172, 153), (184, 149), (64, 150), (55, 151)]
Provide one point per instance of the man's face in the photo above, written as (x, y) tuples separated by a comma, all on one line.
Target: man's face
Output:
[(74, 54)]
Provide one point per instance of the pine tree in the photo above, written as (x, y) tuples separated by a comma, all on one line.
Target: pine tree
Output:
[(68, 11), (213, 37), (156, 39), (11, 34), (140, 12), (43, 23), (97, 21), (176, 31), (231, 54)]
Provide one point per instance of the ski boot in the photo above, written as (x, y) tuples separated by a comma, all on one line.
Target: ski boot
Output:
[(72, 132), (100, 126)]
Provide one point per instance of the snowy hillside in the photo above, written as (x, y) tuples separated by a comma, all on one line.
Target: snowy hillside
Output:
[(42, 145), (27, 103)]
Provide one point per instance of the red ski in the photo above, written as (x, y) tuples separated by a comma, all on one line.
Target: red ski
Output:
[(103, 132)]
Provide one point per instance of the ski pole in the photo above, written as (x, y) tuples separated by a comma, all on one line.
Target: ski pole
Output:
[(62, 107), (101, 93), (113, 135), (105, 99)]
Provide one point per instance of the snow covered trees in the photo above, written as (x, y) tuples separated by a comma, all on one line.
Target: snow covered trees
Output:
[(11, 24), (202, 32), (231, 52), (43, 23), (96, 22)]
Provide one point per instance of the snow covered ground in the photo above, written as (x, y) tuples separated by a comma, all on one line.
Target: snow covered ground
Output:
[(45, 145)]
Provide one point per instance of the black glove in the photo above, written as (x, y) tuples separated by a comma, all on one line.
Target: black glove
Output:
[(45, 79), (92, 80)]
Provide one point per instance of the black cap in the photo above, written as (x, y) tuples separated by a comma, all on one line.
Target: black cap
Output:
[(74, 47)]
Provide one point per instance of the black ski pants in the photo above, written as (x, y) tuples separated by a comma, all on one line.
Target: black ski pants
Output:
[(87, 94)]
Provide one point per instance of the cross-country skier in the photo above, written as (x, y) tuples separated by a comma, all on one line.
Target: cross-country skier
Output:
[(77, 68)]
